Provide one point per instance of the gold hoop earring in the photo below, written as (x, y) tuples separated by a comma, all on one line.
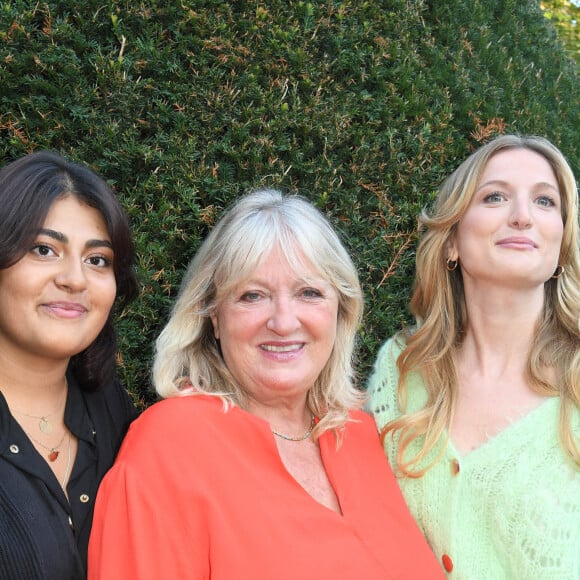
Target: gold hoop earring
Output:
[(558, 271), (451, 264)]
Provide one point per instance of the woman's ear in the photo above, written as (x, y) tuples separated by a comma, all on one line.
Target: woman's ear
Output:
[(214, 323), (451, 251)]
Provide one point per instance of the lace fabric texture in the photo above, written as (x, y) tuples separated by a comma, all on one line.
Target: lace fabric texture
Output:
[(509, 509)]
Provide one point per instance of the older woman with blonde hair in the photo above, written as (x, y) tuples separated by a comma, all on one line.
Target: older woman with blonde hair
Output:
[(258, 463), (478, 404)]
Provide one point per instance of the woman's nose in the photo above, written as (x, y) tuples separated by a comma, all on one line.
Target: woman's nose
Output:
[(71, 275), (283, 317), (521, 216)]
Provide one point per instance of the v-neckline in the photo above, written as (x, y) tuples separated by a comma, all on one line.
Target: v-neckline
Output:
[(324, 456), (496, 439)]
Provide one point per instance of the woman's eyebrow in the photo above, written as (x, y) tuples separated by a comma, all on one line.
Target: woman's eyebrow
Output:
[(60, 237)]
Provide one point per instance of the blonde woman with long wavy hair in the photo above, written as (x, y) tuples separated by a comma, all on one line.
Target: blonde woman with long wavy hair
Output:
[(478, 403)]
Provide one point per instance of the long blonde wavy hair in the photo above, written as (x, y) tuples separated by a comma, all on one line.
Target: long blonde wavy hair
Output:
[(438, 304), (188, 359)]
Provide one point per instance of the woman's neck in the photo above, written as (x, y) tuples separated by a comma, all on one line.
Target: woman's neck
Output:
[(32, 388), (500, 328)]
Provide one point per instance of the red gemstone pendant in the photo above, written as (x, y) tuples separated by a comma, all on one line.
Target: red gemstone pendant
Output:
[(53, 455)]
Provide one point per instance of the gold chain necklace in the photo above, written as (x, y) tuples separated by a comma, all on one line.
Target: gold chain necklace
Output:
[(68, 463), (300, 437), (44, 424), (53, 452)]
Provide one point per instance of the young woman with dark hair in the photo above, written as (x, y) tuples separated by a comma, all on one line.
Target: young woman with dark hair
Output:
[(66, 258)]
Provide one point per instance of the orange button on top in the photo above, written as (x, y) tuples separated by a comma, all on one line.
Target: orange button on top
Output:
[(447, 562), (454, 467)]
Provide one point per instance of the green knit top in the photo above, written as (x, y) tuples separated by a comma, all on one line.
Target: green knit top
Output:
[(510, 509)]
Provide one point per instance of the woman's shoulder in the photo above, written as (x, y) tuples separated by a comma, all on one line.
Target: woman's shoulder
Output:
[(110, 408), (172, 425), (118, 399), (360, 420), (174, 412), (383, 385), (383, 380), (386, 360)]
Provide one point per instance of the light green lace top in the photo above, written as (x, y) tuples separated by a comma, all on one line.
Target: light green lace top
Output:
[(509, 510)]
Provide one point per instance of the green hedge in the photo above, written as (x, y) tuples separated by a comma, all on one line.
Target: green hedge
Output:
[(362, 106)]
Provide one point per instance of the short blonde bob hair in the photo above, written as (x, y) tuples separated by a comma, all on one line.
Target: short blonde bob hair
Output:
[(438, 304), (188, 360)]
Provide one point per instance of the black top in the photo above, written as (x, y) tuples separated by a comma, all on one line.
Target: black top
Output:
[(42, 535)]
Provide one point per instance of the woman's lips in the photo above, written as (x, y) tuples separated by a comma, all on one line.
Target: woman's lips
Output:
[(66, 309), (517, 243)]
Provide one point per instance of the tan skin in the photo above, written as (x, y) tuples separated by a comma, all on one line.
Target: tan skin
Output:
[(508, 245), (493, 393), (277, 331), (304, 463), (60, 294), (302, 459)]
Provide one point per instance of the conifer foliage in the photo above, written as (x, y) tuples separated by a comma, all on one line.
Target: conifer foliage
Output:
[(361, 106)]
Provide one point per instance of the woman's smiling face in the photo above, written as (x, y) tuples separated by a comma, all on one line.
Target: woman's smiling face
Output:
[(57, 297), (512, 230), (277, 330)]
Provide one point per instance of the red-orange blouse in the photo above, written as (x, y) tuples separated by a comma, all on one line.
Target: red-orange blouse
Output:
[(198, 493)]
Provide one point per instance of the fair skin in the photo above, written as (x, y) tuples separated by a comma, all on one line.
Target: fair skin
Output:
[(277, 331), (59, 294), (508, 244)]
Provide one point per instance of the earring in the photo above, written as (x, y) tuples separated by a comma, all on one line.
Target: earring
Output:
[(451, 264), (558, 271)]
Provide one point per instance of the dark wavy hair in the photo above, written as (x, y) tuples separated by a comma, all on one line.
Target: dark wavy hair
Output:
[(28, 188)]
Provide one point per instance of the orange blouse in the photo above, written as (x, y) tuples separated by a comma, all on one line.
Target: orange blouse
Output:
[(198, 493)]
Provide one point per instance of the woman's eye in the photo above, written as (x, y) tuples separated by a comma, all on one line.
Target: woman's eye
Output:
[(494, 197), (250, 296), (311, 293), (99, 261), (42, 250), (546, 201)]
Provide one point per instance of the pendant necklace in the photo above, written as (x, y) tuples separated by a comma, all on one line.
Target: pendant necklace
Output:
[(300, 437), (45, 426), (53, 452)]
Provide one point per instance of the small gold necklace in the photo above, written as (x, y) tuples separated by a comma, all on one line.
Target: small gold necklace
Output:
[(44, 424), (68, 464), (53, 452), (300, 437)]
